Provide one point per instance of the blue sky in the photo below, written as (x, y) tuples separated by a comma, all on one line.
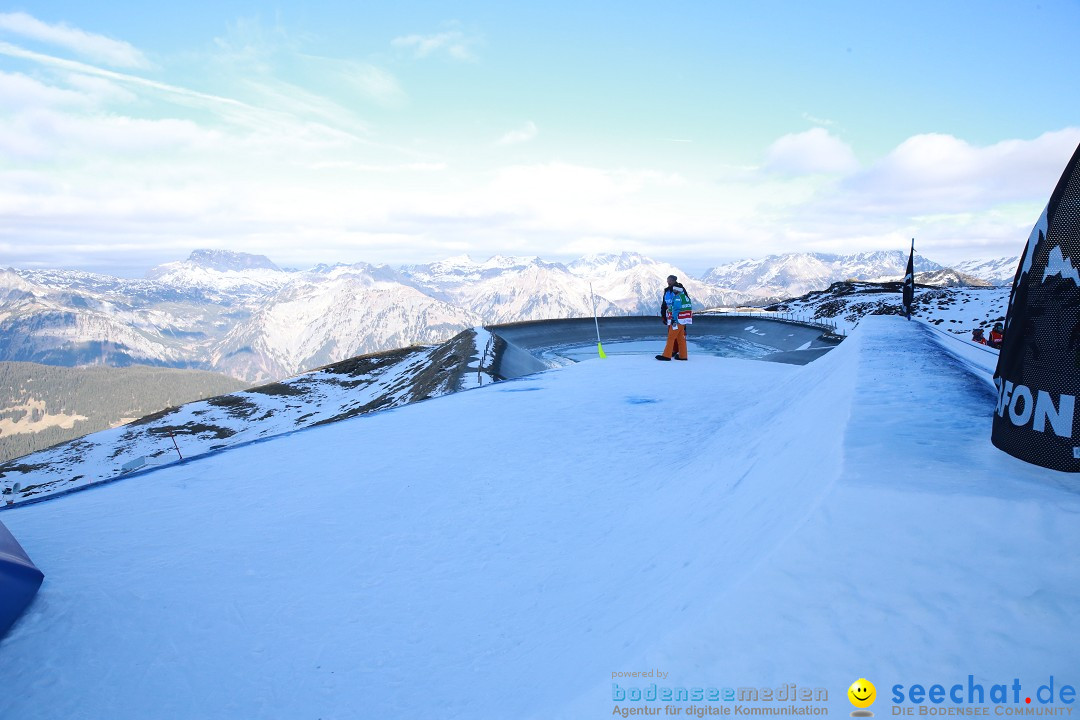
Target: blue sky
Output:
[(406, 132)]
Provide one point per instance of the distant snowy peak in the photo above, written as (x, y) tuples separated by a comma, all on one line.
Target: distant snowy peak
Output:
[(463, 269), (507, 289), (79, 281), (226, 260), (319, 318), (603, 263), (222, 271), (880, 263), (356, 270), (773, 276), (796, 273), (950, 277), (634, 283), (324, 268), (534, 292), (451, 270), (13, 280), (505, 262), (997, 271)]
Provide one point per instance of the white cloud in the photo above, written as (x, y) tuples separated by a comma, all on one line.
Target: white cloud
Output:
[(291, 171), (283, 112), (418, 167), (453, 42), (259, 54), (813, 152), (575, 186), (525, 133), (99, 91), (374, 82), (21, 92), (590, 244), (818, 120), (78, 67), (252, 43), (278, 100), (935, 173), (98, 48), (957, 199)]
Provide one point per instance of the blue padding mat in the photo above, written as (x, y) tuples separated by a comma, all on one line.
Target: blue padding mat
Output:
[(19, 579)]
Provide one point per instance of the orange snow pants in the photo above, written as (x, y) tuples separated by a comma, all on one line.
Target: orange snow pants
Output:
[(676, 341)]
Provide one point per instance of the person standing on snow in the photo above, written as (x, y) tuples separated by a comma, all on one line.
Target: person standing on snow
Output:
[(677, 313), (997, 337)]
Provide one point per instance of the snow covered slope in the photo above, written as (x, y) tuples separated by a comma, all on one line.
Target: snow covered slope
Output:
[(950, 278), (956, 309), (509, 289), (369, 383), (999, 271), (502, 553), (322, 317), (66, 318), (344, 389)]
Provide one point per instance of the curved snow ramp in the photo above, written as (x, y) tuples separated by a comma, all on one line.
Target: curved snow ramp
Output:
[(19, 579), (524, 342), (500, 553)]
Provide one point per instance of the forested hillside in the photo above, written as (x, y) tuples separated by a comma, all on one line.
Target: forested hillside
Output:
[(41, 405)]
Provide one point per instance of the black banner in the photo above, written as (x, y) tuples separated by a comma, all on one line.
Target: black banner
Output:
[(909, 282), (1038, 373)]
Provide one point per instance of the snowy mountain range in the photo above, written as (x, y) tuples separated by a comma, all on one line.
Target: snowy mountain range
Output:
[(783, 276), (506, 289), (1000, 271), (241, 314)]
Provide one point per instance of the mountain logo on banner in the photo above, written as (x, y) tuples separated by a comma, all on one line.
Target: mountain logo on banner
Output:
[(1058, 264), (1038, 372)]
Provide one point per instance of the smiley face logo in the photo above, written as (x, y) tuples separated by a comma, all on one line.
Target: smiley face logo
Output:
[(862, 693)]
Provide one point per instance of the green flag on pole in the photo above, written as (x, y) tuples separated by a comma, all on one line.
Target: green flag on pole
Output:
[(599, 345)]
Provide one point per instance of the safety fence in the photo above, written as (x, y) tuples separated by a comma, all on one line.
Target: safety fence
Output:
[(793, 318)]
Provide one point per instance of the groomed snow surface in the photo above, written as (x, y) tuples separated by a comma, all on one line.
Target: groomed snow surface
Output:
[(499, 553)]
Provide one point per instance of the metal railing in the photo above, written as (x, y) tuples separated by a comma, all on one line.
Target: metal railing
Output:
[(793, 318)]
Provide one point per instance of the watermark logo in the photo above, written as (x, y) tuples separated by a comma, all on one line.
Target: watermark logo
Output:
[(1001, 699), (862, 695), (666, 698)]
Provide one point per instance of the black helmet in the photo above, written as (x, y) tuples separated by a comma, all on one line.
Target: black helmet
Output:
[(997, 326)]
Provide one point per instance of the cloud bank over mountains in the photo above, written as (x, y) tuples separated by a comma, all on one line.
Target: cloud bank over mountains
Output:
[(114, 162)]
